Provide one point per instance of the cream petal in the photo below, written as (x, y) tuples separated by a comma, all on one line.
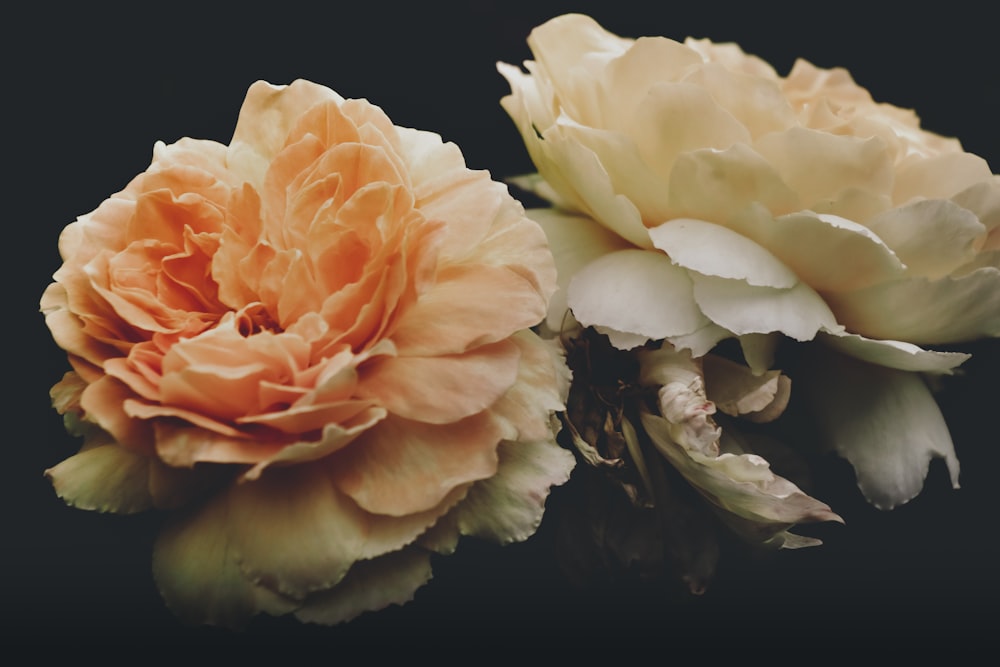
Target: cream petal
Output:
[(827, 252), (575, 241), (717, 251), (370, 585), (819, 166), (884, 421), (743, 309), (630, 176), (635, 291), (103, 477), (932, 237), (940, 176), (508, 507), (983, 199), (628, 77), (715, 185), (581, 168), (922, 311), (894, 353), (757, 101), (675, 118)]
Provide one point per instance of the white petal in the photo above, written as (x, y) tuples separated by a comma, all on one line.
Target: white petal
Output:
[(636, 291), (884, 421), (575, 241), (717, 251), (894, 353), (745, 309)]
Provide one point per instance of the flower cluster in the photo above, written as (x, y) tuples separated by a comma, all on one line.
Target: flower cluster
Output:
[(328, 350), (311, 347), (745, 237)]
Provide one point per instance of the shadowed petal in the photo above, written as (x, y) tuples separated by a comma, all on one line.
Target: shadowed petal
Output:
[(884, 421)]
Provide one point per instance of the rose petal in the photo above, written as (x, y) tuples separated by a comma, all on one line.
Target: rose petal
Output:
[(884, 421), (575, 241), (922, 311), (932, 237), (716, 251), (635, 291), (370, 585), (743, 309), (103, 477), (401, 466), (508, 506), (894, 353)]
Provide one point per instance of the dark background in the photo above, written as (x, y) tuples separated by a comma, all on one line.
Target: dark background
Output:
[(87, 93)]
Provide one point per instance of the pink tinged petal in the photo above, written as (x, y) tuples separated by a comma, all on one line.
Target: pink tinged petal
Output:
[(401, 467), (334, 437), (103, 403), (442, 389), (738, 392), (894, 353), (181, 445), (508, 507), (469, 307), (370, 585), (575, 241), (743, 309), (715, 185), (675, 118), (742, 484), (717, 251), (103, 477), (938, 177), (827, 252), (884, 421), (922, 311), (638, 292), (821, 167), (199, 574), (933, 237)]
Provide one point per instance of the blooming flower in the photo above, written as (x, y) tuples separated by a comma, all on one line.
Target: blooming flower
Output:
[(698, 196), (311, 346)]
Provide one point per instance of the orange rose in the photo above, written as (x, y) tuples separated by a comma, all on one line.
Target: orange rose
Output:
[(313, 345)]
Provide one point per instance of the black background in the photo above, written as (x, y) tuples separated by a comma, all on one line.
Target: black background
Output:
[(88, 91)]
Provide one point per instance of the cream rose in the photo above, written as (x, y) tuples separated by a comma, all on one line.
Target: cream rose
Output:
[(699, 196), (312, 346)]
